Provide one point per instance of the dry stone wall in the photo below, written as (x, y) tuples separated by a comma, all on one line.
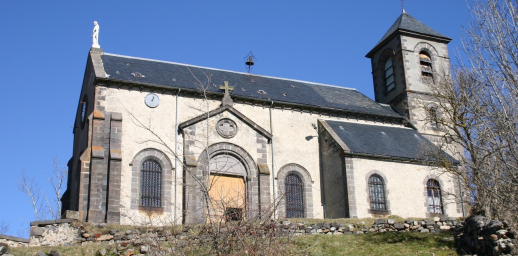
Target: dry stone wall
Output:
[(13, 241), (67, 232), (436, 224), (477, 235), (482, 236)]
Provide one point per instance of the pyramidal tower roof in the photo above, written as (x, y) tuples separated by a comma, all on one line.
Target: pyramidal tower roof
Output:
[(406, 23)]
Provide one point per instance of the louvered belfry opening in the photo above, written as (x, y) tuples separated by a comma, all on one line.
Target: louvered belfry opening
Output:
[(294, 196), (425, 62), (151, 184), (377, 193)]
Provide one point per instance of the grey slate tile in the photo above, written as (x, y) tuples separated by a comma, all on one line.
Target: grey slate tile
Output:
[(406, 22), (385, 141), (175, 75)]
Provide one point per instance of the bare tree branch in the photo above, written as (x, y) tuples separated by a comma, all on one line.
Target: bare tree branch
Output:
[(57, 179), (4, 227), (479, 109), (30, 187)]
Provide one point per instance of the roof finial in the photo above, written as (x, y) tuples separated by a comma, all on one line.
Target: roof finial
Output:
[(249, 61), (403, 6)]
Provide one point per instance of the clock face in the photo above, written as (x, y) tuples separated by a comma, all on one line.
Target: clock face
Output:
[(152, 100)]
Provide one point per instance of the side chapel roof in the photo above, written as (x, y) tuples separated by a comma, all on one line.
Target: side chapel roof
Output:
[(155, 73), (384, 141)]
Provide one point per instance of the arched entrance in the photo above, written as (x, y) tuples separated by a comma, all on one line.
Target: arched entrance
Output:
[(229, 168), (227, 190)]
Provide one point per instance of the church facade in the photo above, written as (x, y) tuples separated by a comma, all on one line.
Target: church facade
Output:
[(164, 142)]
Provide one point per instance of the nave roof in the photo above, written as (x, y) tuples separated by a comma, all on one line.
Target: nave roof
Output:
[(247, 86)]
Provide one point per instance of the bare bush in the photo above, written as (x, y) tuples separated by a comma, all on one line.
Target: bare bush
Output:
[(29, 187), (4, 227), (478, 109), (43, 206)]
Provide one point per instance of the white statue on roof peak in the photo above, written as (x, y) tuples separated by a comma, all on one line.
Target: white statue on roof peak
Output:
[(95, 36)]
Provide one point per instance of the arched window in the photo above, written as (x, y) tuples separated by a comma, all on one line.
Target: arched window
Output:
[(433, 190), (151, 184), (426, 67), (389, 75), (294, 196), (432, 111), (377, 193)]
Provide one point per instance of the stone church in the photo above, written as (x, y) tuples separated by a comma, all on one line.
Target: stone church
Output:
[(163, 142)]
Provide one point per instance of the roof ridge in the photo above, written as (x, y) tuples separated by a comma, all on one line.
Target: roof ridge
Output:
[(373, 124), (237, 72), (392, 28)]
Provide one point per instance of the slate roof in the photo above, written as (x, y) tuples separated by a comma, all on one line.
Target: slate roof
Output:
[(250, 86), (383, 141), (405, 22)]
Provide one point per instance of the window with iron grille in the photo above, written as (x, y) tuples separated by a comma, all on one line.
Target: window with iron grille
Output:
[(233, 214), (377, 193), (294, 196), (433, 190), (151, 184)]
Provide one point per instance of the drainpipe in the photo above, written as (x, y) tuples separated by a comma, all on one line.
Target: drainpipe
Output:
[(273, 166), (176, 156), (461, 197)]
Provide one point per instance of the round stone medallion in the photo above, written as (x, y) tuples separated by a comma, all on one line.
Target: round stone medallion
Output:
[(226, 128)]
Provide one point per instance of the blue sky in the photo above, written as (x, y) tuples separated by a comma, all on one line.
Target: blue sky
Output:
[(45, 44)]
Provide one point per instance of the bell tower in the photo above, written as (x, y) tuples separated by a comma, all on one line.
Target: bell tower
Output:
[(405, 62)]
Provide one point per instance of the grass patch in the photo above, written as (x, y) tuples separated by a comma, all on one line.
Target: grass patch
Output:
[(388, 243), (77, 250)]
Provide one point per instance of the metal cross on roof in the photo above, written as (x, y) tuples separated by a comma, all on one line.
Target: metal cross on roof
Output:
[(226, 87)]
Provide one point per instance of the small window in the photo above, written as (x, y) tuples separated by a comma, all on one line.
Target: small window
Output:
[(426, 67), (377, 193), (151, 184), (433, 190), (84, 111), (294, 196), (389, 75), (434, 121)]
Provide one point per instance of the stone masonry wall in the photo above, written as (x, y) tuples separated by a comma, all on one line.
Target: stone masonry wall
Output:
[(59, 232), (12, 241)]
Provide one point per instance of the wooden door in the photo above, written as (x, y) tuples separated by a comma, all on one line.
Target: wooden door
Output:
[(227, 197)]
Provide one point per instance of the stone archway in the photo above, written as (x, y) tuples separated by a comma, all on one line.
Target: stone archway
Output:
[(195, 199), (307, 187), (167, 177)]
